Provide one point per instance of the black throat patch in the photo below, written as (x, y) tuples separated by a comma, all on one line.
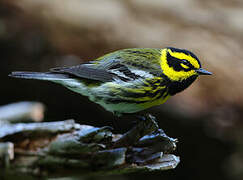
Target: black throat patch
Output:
[(178, 86)]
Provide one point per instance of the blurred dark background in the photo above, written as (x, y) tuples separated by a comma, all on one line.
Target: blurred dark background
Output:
[(206, 118)]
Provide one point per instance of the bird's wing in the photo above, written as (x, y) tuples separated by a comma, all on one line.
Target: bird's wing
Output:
[(147, 59), (86, 71), (132, 63), (98, 73), (126, 65)]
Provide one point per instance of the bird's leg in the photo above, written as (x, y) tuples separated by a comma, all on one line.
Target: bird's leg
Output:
[(143, 117), (146, 117)]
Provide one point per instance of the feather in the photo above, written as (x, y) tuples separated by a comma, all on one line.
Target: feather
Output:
[(87, 71), (39, 75)]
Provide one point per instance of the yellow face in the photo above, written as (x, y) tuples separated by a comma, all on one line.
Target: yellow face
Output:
[(178, 64)]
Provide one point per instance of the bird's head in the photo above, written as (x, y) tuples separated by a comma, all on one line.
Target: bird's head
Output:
[(180, 64)]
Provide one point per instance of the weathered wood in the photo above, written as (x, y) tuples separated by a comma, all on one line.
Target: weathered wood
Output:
[(158, 141), (21, 130), (88, 148), (86, 139), (22, 111), (6, 153), (146, 126), (55, 149)]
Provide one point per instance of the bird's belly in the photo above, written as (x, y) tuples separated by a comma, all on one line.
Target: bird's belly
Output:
[(121, 108), (111, 96), (117, 99)]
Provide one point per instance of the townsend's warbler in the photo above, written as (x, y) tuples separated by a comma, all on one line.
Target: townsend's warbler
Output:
[(128, 80)]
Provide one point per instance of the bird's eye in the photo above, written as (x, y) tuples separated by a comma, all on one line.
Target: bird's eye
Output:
[(185, 64)]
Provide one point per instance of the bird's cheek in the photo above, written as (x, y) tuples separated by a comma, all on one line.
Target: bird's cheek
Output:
[(190, 73)]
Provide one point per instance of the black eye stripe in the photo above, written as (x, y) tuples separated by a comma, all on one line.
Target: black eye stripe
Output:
[(176, 63), (187, 63)]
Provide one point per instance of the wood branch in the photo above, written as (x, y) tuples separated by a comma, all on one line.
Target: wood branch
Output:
[(17, 112), (31, 130), (55, 149)]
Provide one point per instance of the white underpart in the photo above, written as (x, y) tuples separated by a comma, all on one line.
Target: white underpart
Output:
[(142, 73)]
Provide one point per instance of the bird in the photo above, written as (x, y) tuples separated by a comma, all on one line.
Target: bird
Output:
[(128, 80)]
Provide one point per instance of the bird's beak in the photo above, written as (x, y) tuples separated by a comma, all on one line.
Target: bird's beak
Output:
[(202, 71)]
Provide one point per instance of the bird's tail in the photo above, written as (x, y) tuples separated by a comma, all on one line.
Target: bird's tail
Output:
[(49, 76)]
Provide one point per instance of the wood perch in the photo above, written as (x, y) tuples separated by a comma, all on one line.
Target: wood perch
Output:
[(22, 111), (55, 149)]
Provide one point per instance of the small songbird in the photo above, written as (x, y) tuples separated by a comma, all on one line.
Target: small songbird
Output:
[(128, 80)]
